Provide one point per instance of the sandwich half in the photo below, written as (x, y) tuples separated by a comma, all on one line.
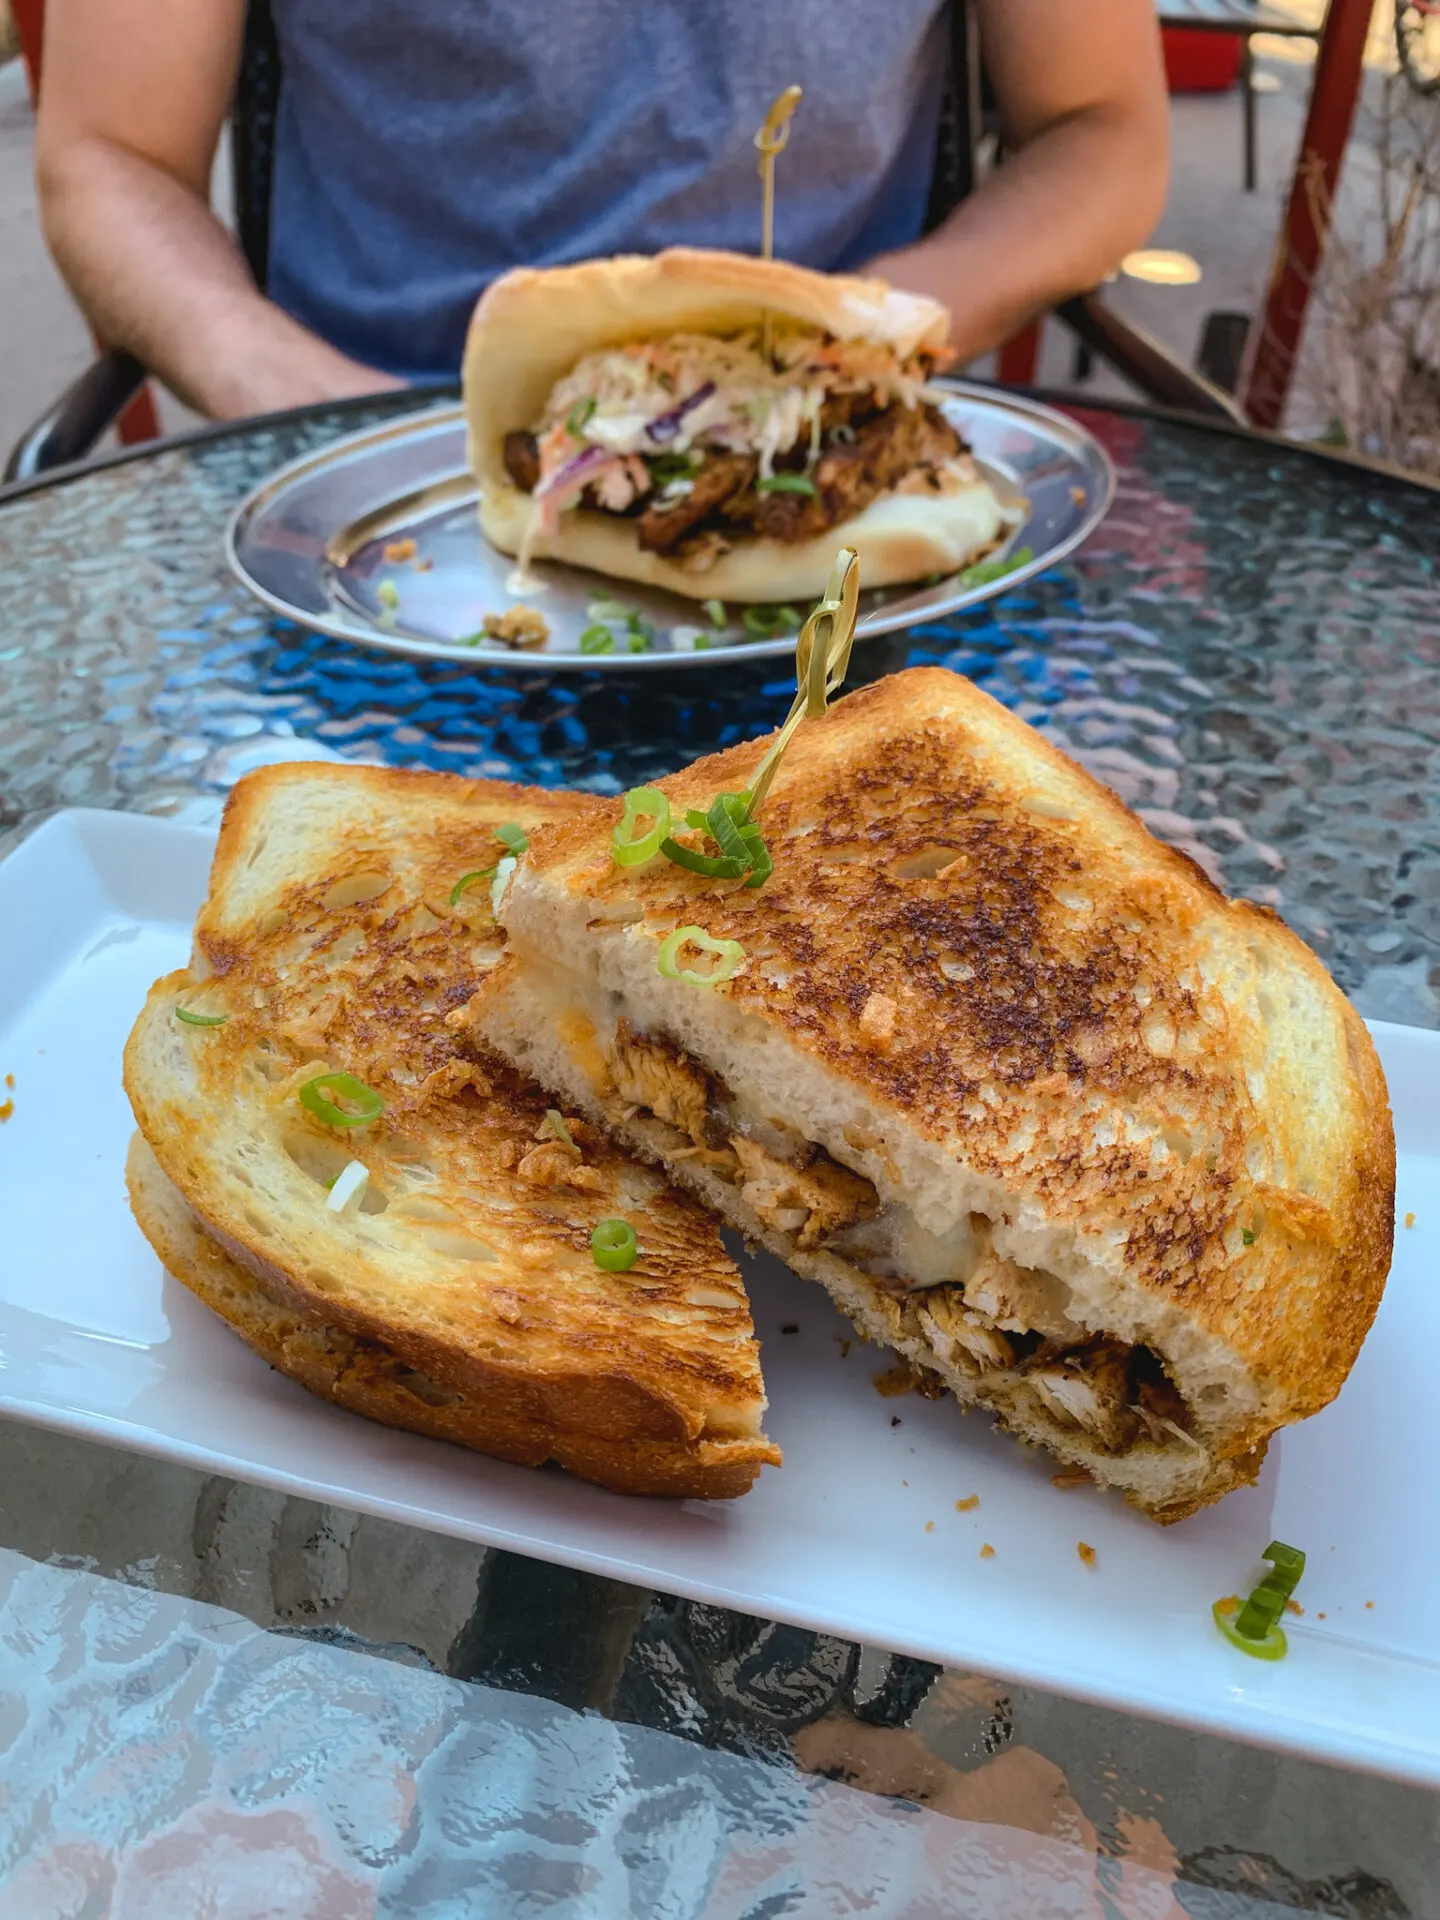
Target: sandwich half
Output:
[(633, 416), (1105, 1151), (412, 1239)]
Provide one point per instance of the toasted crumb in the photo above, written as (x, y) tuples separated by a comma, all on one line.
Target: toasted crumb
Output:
[(844, 1346), (516, 627), (1369, 1604), (790, 1327), (1086, 1552), (969, 1504), (1230, 1604), (894, 1419), (7, 1107), (1077, 494), (396, 550), (423, 565), (1072, 1477), (895, 1380), (1294, 1606), (1319, 1616), (9, 1079), (987, 1552), (1409, 1218), (877, 1022), (929, 1526)]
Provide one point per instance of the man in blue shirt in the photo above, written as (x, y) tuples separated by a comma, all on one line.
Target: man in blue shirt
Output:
[(422, 148)]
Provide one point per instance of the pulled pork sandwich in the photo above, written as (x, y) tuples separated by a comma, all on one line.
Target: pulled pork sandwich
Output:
[(718, 425)]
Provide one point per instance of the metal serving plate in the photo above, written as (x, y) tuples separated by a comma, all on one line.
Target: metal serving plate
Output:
[(310, 542)]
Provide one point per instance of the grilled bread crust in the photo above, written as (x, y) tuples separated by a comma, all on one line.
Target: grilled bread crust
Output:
[(330, 942), (973, 956), (533, 324)]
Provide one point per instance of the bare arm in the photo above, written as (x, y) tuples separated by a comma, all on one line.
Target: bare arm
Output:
[(134, 96), (1082, 100)]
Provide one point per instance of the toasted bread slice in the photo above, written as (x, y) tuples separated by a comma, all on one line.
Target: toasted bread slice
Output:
[(459, 1294), (1107, 1152)]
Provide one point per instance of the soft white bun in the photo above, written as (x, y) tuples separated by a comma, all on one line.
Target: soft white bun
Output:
[(532, 325), (900, 536)]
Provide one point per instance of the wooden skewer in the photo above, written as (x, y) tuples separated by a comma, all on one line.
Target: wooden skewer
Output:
[(770, 140)]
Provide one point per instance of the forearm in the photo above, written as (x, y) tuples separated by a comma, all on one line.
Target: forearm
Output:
[(156, 273), (1051, 221)]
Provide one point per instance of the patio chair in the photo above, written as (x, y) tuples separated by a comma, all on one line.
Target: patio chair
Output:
[(70, 428), (1243, 18)]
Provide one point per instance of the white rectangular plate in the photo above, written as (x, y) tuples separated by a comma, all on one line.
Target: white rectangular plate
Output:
[(858, 1534)]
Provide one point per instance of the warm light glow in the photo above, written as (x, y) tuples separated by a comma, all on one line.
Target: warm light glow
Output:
[(1160, 268)]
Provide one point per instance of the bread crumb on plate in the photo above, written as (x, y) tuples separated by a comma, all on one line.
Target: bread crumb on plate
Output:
[(516, 627), (1086, 1552), (969, 1504), (987, 1552)]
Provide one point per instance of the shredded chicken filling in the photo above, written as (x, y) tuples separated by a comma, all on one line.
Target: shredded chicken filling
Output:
[(1008, 1327)]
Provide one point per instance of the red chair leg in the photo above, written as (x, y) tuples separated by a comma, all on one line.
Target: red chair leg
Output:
[(139, 421), (1020, 356)]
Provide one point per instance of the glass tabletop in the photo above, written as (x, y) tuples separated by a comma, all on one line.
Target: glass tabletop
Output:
[(1246, 651)]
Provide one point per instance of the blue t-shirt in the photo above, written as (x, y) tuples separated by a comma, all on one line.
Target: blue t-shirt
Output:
[(423, 148)]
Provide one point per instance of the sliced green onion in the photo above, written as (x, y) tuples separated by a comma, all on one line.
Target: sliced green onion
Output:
[(766, 622), (388, 594), (676, 466), (1272, 1645), (728, 955), (555, 1120), (468, 880), (629, 848), (1256, 1628), (608, 610), (786, 483), (347, 1189), (347, 1087), (597, 640), (715, 612), (722, 869), (1288, 1562), (200, 1019), (720, 822), (579, 416), (513, 837), (689, 640), (638, 641), (984, 571), (1247, 1238), (614, 1247)]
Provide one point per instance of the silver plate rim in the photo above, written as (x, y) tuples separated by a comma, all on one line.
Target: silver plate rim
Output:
[(337, 626)]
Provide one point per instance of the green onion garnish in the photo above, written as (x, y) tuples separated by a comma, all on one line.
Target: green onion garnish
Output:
[(766, 622), (984, 571), (637, 640), (1256, 1628), (715, 612), (597, 639), (1247, 1238), (514, 838), (388, 594), (609, 610), (629, 848), (555, 1120), (676, 466), (786, 483), (468, 880), (200, 1019), (578, 417), (614, 1247), (368, 1103), (723, 868), (728, 955)]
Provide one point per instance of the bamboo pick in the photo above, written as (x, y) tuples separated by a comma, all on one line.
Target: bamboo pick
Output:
[(772, 138)]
